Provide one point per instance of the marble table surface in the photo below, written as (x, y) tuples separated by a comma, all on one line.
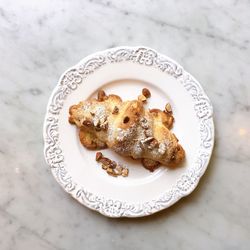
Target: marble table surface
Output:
[(40, 39)]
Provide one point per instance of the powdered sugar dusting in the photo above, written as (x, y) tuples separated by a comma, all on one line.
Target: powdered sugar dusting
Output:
[(86, 107), (100, 114), (123, 134), (162, 148), (137, 147)]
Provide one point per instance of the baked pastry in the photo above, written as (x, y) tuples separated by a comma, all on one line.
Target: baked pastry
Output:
[(128, 128)]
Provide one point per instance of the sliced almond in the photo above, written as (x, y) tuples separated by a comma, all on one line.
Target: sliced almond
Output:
[(142, 98), (105, 167), (98, 156), (111, 167), (146, 92), (111, 172), (148, 140), (105, 161), (101, 95), (119, 170), (113, 164), (125, 172), (168, 108)]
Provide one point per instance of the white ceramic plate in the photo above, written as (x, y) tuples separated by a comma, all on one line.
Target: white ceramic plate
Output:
[(125, 71)]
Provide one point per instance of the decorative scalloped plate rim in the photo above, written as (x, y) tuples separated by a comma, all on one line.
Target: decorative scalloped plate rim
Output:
[(69, 81)]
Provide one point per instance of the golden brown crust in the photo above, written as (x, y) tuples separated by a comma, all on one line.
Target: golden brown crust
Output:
[(71, 120), (163, 117), (129, 113), (127, 128), (90, 141)]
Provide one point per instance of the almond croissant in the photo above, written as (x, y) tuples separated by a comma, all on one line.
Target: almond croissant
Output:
[(127, 128)]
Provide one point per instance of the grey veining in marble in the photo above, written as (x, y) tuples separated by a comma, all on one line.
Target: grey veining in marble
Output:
[(40, 39)]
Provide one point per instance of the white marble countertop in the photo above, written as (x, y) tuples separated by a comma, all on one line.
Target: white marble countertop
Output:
[(40, 39)]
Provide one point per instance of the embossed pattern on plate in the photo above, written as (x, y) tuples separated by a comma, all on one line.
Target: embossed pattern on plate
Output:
[(69, 83)]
